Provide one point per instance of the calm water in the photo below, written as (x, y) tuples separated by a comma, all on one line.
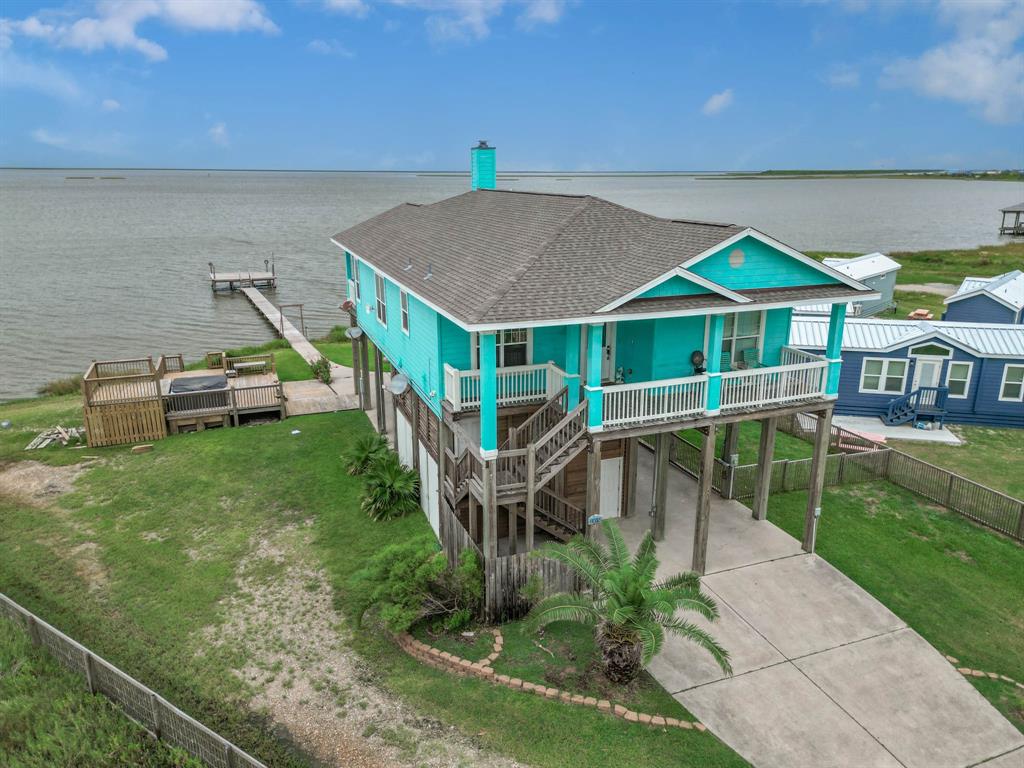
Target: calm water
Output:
[(108, 269)]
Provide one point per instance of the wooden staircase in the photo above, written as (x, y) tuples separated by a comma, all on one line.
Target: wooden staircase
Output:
[(926, 402), (558, 446), (539, 423)]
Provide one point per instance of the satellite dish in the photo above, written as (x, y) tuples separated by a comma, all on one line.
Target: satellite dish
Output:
[(354, 332), (398, 384)]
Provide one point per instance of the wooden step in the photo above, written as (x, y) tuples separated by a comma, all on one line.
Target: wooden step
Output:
[(544, 477)]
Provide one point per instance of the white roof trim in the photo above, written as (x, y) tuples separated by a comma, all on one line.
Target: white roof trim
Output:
[(981, 292), (703, 282), (780, 246)]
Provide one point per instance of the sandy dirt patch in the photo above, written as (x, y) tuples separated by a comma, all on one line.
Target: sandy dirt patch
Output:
[(36, 483), (308, 680), (939, 289)]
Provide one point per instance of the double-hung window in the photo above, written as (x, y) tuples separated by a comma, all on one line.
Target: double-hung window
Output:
[(1012, 387), (512, 347), (883, 376), (958, 379), (742, 331), (355, 280), (382, 302), (403, 300)]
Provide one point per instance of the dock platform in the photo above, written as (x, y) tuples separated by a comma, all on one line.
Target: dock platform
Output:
[(231, 281)]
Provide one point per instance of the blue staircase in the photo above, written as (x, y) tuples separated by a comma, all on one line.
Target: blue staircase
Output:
[(924, 403)]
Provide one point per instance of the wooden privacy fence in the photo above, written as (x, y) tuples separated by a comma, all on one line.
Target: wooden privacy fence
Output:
[(856, 459), (150, 710)]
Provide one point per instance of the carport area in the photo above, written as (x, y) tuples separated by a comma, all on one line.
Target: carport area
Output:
[(824, 674)]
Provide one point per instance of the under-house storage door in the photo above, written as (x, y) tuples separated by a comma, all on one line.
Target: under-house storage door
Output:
[(611, 487), (403, 437), (428, 489)]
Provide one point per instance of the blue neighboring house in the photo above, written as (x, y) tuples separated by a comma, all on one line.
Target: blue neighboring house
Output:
[(998, 299), (904, 370), (536, 336)]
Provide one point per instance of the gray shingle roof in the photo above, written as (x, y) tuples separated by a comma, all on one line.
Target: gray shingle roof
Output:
[(499, 257)]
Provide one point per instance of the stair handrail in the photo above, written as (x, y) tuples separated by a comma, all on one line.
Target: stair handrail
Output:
[(575, 517), (530, 426), (578, 415)]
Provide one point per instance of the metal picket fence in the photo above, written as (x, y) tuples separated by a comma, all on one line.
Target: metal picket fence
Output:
[(158, 716)]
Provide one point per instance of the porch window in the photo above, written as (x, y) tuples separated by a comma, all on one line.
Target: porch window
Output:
[(512, 346), (931, 350), (958, 379), (742, 331), (883, 376), (1012, 388), (403, 299), (382, 302), (355, 280)]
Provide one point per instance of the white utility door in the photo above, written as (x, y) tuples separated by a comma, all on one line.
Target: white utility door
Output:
[(611, 487), (608, 358), (927, 372), (403, 437), (428, 489)]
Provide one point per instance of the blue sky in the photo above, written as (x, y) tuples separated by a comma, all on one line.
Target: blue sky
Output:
[(555, 84)]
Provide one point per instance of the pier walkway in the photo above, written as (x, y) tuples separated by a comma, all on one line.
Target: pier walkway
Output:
[(307, 396)]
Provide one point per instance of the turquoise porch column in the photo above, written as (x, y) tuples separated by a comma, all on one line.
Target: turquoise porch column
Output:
[(713, 364), (488, 395), (834, 347), (595, 395), (572, 364)]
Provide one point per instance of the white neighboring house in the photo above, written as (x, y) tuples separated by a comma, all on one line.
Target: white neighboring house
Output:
[(872, 269)]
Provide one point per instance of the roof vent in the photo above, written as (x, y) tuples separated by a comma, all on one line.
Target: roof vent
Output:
[(430, 272), (482, 144), (409, 265)]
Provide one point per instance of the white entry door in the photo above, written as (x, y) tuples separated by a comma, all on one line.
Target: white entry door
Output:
[(927, 372), (428, 489), (403, 437), (611, 487), (608, 356)]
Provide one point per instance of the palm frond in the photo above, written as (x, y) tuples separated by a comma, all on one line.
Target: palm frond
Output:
[(696, 635), (618, 552), (645, 550), (562, 607), (589, 549), (579, 563), (684, 579)]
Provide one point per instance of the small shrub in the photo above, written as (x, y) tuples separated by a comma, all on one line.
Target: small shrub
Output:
[(364, 452), (69, 385), (390, 490), (321, 369), (337, 334), (411, 582), (533, 590)]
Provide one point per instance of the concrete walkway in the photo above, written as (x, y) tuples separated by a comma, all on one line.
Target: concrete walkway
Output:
[(873, 429), (825, 676)]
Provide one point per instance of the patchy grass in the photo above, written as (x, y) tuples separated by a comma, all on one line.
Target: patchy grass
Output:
[(167, 530), (786, 446), (48, 718), (949, 266), (985, 456), (908, 301), (956, 584)]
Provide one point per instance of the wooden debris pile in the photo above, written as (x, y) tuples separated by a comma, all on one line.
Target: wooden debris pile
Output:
[(63, 435)]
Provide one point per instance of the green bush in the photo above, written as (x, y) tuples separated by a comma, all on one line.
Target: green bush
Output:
[(411, 582), (364, 453), (69, 385), (390, 490), (321, 369)]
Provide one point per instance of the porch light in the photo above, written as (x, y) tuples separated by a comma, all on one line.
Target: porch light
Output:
[(354, 333), (398, 384)]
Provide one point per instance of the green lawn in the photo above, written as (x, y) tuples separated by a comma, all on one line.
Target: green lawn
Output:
[(950, 266), (985, 456), (908, 301), (138, 561), (956, 584), (47, 718), (786, 446)]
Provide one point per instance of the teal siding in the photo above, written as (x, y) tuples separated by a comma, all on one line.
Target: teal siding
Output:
[(776, 334), (675, 338), (549, 344), (674, 286), (762, 267), (634, 346)]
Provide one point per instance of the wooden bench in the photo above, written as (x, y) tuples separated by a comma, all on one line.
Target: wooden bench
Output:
[(256, 366)]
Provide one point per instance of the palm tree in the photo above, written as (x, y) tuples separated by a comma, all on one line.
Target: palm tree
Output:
[(390, 490), (366, 450), (629, 611)]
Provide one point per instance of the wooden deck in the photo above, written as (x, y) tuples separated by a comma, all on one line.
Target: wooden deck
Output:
[(230, 281)]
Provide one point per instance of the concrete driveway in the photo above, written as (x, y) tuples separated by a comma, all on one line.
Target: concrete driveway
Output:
[(825, 676)]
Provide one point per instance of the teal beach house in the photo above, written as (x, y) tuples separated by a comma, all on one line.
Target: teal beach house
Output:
[(542, 334)]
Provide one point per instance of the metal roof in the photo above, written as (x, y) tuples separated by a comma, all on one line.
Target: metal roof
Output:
[(1007, 288), (1018, 208), (864, 267), (868, 335)]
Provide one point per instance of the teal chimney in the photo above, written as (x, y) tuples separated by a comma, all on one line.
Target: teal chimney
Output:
[(483, 170)]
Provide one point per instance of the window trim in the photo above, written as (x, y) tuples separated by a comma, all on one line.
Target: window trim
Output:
[(403, 308), (946, 354), (356, 280), (474, 347), (967, 381), (1002, 385), (883, 375), (380, 289), (759, 336)]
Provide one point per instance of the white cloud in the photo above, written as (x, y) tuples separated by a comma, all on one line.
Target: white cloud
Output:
[(43, 136), (842, 76), (329, 48), (469, 20), (538, 12), (110, 105), (979, 67), (717, 102), (218, 134), (115, 22), (349, 7), (18, 72)]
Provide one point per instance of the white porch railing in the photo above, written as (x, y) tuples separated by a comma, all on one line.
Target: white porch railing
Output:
[(758, 387), (648, 401), (514, 385), (794, 356)]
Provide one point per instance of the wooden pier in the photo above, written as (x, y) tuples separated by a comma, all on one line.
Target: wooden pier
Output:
[(231, 281), (1015, 227)]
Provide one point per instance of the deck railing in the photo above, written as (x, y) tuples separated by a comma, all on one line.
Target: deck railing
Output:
[(794, 356), (757, 387), (648, 401), (514, 385), (245, 364)]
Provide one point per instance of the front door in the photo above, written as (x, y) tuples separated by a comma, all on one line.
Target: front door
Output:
[(927, 372), (608, 357)]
